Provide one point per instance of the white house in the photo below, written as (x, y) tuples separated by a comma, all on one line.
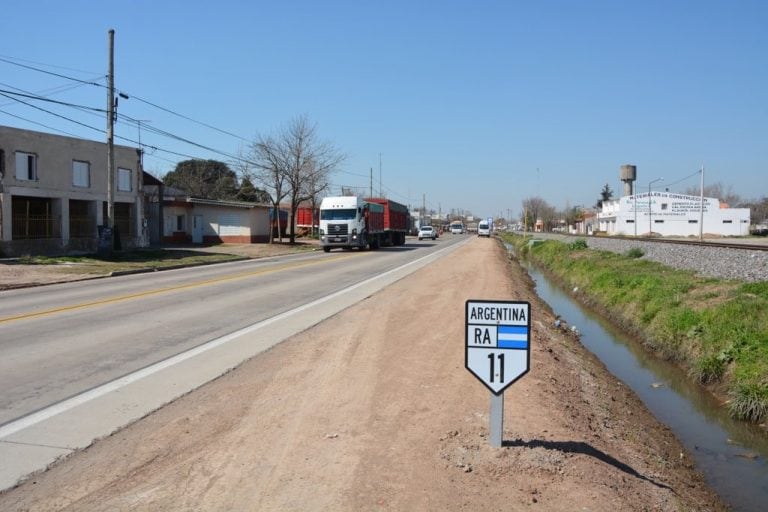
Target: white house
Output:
[(670, 214), (209, 221)]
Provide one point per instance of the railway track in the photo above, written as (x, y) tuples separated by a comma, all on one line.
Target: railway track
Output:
[(719, 244)]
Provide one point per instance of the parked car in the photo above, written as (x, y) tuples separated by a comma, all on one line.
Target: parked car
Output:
[(427, 232)]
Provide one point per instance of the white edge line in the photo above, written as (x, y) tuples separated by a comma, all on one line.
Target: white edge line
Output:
[(77, 400)]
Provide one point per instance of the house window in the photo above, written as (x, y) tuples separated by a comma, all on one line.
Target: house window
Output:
[(727, 222), (124, 179), (692, 221), (656, 221), (630, 221), (81, 174), (26, 166), (179, 223)]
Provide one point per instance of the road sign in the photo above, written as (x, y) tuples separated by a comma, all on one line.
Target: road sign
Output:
[(498, 341)]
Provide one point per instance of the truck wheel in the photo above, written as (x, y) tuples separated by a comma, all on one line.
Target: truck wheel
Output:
[(326, 249)]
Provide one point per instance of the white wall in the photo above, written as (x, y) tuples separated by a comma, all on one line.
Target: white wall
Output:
[(670, 214)]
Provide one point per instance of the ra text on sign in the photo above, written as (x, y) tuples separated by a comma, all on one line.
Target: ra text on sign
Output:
[(498, 339)]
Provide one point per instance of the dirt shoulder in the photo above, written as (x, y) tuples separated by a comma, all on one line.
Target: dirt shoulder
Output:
[(373, 410)]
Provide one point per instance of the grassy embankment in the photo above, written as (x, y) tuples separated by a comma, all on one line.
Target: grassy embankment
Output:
[(716, 329)]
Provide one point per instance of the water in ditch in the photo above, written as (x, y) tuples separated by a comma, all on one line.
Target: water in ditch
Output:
[(732, 455)]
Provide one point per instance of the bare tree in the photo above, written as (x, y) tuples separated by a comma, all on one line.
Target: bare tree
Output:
[(314, 187), (266, 166), (306, 159), (536, 208), (293, 164), (724, 193)]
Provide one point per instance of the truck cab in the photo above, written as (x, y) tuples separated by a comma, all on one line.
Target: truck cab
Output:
[(349, 221)]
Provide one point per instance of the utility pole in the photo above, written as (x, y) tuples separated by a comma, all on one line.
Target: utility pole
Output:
[(110, 132), (371, 183), (701, 208), (381, 185)]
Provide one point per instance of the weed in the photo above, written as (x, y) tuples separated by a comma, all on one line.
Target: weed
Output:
[(578, 245)]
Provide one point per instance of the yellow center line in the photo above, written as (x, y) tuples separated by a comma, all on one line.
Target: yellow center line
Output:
[(158, 291)]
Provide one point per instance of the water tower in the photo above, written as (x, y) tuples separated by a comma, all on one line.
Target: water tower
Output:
[(628, 175)]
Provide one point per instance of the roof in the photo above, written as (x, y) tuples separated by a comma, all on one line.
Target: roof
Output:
[(231, 204)]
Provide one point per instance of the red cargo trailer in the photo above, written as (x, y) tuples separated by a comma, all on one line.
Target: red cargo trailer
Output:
[(396, 220), (305, 217)]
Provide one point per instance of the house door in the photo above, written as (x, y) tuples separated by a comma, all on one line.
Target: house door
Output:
[(197, 229)]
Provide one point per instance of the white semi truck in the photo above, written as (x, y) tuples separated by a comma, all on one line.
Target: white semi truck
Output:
[(350, 221)]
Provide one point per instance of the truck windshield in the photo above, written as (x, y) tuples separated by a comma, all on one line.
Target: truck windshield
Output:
[(345, 214)]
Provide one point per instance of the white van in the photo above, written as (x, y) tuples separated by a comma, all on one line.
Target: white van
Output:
[(484, 229)]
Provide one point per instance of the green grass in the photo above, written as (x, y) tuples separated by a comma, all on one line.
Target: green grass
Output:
[(716, 329)]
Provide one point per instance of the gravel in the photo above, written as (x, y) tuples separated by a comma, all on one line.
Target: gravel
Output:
[(724, 263)]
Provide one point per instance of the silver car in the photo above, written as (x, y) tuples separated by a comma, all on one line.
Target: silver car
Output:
[(427, 232)]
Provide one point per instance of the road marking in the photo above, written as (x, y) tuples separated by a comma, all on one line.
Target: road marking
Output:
[(206, 282), (65, 405)]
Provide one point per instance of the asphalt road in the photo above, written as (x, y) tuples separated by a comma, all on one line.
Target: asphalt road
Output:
[(82, 359)]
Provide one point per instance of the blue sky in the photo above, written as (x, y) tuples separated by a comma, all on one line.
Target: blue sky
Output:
[(473, 105)]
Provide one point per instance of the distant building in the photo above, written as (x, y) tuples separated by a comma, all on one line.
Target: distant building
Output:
[(210, 221), (53, 193), (670, 214)]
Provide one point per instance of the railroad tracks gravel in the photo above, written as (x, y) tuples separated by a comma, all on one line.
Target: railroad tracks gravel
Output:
[(747, 265)]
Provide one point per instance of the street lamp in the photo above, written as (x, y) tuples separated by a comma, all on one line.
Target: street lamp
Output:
[(650, 213)]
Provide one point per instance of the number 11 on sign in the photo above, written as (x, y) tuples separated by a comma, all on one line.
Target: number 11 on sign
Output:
[(492, 358)]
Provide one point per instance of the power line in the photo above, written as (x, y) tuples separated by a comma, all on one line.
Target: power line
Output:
[(225, 132), (38, 124), (51, 113), (3, 57), (46, 92), (48, 100), (683, 179), (92, 110), (51, 73), (188, 118)]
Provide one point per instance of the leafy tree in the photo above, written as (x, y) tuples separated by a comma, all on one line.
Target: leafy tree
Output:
[(204, 179), (605, 195), (250, 193)]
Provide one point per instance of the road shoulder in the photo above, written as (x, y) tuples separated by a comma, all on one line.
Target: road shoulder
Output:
[(373, 409)]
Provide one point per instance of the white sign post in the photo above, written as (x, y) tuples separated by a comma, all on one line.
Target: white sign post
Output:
[(498, 335)]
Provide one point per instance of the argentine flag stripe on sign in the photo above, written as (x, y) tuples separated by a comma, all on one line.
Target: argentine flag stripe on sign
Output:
[(512, 336)]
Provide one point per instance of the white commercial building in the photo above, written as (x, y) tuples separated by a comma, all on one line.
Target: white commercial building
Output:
[(670, 214)]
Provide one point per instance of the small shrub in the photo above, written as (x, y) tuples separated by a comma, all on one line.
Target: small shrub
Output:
[(578, 245), (749, 402), (635, 252), (709, 369)]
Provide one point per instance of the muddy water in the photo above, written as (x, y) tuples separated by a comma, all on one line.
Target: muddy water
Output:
[(732, 455)]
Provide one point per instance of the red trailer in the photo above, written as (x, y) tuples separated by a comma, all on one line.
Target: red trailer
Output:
[(305, 217), (396, 220)]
